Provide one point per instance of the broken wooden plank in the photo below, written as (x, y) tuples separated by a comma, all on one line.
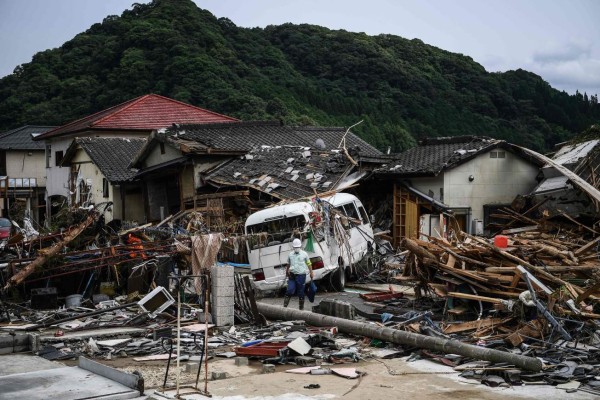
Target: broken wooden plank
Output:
[(522, 262), (519, 230), (573, 220), (550, 268), (531, 329), (586, 247), (474, 325), (588, 292), (468, 296)]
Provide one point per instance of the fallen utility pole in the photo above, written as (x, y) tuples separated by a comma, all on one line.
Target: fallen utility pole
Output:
[(401, 337), (47, 253)]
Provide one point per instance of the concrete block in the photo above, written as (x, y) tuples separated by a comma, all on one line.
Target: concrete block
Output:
[(14, 343), (225, 320), (241, 361), (336, 308), (223, 291), (224, 283), (268, 368), (305, 361), (222, 310), (216, 375), (191, 367), (34, 342), (225, 271), (223, 301)]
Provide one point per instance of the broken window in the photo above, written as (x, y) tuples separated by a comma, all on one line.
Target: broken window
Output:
[(364, 215), (59, 157), (349, 210), (3, 171), (48, 155), (278, 229), (105, 193)]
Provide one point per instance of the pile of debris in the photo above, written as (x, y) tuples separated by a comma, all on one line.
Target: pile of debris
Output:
[(529, 292)]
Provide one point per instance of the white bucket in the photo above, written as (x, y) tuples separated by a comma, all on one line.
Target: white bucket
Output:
[(73, 300)]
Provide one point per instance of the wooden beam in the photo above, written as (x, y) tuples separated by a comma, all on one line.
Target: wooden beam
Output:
[(586, 247), (472, 325), (222, 195), (467, 296), (519, 230), (588, 292)]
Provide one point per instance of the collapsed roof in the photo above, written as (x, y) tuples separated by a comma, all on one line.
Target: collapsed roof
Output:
[(286, 172), (236, 138)]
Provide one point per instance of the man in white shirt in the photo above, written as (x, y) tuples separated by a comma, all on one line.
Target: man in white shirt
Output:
[(298, 266)]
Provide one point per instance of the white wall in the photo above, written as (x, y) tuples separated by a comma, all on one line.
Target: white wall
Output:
[(57, 178), (155, 157), (496, 181), (435, 184), (91, 173), (19, 164)]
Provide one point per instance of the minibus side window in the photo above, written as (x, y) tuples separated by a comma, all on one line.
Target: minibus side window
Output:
[(351, 212), (363, 214)]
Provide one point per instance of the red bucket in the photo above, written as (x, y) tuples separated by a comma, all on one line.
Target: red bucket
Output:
[(501, 241)]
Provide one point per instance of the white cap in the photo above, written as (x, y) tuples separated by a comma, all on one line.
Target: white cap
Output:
[(296, 243)]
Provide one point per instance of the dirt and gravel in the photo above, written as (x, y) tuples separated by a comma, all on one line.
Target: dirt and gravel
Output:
[(383, 379)]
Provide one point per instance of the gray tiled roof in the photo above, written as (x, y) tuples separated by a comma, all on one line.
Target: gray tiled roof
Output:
[(112, 155), (254, 134), (21, 138), (332, 137), (238, 135), (434, 155), (286, 172)]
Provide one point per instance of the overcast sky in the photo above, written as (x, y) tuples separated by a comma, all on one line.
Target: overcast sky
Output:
[(558, 40)]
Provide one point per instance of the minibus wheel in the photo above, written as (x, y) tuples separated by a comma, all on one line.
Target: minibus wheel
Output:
[(338, 279)]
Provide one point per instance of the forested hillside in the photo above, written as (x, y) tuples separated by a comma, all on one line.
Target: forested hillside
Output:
[(303, 74)]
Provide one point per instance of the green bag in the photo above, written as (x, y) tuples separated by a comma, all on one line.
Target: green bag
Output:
[(310, 245)]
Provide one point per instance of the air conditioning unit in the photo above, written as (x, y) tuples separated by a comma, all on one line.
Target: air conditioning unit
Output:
[(477, 227), (156, 301)]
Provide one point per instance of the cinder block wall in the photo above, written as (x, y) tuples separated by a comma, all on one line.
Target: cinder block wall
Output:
[(223, 293)]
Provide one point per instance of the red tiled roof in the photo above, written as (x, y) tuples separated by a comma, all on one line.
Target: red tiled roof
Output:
[(147, 112)]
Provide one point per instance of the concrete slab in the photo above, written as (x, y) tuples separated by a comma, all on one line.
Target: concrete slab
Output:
[(67, 383), (19, 363)]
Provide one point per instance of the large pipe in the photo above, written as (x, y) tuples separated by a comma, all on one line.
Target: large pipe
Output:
[(446, 346)]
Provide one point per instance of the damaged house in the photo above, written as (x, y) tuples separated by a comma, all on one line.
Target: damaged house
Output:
[(467, 177), (99, 173), (247, 164), (134, 118), (559, 196), (22, 172)]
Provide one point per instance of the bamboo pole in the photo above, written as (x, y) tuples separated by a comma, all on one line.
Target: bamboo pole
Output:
[(401, 337)]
